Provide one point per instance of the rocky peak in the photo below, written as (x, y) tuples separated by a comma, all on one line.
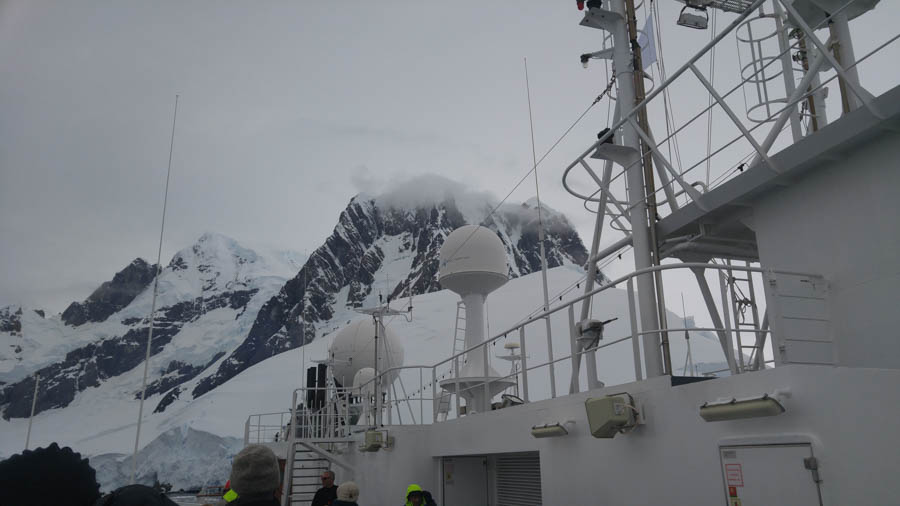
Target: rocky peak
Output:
[(383, 236), (111, 296)]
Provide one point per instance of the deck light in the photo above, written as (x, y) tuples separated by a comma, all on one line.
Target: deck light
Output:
[(692, 19), (736, 409), (551, 430)]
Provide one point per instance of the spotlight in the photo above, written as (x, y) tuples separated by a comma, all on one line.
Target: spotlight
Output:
[(551, 430), (692, 19), (736, 409)]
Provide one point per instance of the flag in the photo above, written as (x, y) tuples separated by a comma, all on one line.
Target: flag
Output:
[(647, 43)]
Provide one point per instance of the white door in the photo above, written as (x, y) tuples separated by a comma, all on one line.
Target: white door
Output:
[(770, 475), (465, 481)]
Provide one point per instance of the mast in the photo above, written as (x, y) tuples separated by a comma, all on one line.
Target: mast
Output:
[(649, 184), (627, 62)]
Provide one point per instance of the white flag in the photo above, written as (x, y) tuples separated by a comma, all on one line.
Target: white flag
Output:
[(648, 43)]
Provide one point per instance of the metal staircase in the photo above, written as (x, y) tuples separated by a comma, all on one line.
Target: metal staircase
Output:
[(305, 472), (459, 344)]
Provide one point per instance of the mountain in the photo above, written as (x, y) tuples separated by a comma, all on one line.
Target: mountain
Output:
[(382, 250), (214, 283)]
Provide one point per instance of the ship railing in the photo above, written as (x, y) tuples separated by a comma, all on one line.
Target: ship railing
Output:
[(552, 376), (266, 427), (728, 154)]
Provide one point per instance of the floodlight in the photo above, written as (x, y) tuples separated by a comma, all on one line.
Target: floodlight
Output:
[(692, 19), (736, 409), (550, 430)]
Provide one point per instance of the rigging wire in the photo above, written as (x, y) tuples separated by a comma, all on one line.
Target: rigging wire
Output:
[(599, 97)]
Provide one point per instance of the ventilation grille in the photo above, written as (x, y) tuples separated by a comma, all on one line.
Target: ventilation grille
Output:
[(519, 479)]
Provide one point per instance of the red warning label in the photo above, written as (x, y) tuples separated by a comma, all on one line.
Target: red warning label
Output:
[(732, 491), (734, 475)]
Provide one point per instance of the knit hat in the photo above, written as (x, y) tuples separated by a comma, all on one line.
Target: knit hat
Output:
[(255, 472), (348, 491)]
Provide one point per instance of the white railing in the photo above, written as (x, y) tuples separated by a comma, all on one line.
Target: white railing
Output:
[(350, 410), (743, 150), (266, 427)]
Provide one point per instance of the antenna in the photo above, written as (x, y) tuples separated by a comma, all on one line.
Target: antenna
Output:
[(162, 228), (537, 190)]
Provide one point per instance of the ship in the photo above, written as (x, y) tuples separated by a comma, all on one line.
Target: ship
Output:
[(793, 251)]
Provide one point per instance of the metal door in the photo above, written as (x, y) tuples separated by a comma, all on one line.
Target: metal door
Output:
[(770, 475), (465, 481)]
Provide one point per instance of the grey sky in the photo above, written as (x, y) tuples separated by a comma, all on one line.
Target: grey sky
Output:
[(287, 110)]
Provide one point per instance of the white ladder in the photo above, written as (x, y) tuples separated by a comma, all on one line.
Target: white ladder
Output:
[(743, 296), (459, 344)]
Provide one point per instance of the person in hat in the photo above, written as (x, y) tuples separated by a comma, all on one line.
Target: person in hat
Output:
[(347, 494), (255, 477), (135, 495), (50, 475), (415, 495)]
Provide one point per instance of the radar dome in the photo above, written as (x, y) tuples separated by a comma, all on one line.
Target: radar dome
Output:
[(473, 260), (353, 350), (362, 377)]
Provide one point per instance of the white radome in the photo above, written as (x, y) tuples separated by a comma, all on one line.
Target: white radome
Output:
[(353, 350), (473, 260)]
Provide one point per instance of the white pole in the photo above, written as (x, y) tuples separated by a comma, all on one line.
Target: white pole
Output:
[(137, 436), (640, 228), (537, 191), (37, 380)]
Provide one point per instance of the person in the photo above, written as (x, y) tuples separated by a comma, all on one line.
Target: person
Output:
[(50, 475), (135, 495), (347, 494), (230, 495), (427, 500), (255, 477), (415, 496), (326, 495)]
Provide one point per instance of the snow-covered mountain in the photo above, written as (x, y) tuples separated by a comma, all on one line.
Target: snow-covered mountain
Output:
[(385, 247), (208, 297)]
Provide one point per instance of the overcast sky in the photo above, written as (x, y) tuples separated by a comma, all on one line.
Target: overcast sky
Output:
[(287, 110)]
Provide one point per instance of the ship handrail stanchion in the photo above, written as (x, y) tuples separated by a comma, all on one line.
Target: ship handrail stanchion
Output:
[(635, 344), (421, 400), (456, 380), (575, 382), (524, 363), (435, 405)]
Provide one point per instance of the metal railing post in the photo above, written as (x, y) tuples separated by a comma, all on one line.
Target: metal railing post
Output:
[(487, 385), (435, 404), (635, 344), (456, 380), (524, 363)]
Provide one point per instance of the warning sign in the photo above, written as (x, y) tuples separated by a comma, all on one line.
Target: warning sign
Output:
[(732, 491), (734, 475)]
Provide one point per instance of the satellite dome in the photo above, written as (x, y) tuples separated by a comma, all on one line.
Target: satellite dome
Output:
[(353, 349), (363, 377), (473, 260)]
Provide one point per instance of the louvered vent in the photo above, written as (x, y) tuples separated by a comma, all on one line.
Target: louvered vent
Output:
[(519, 479)]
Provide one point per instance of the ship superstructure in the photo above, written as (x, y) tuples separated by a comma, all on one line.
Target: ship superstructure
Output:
[(793, 250)]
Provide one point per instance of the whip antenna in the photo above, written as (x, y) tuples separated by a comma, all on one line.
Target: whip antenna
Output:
[(137, 436)]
